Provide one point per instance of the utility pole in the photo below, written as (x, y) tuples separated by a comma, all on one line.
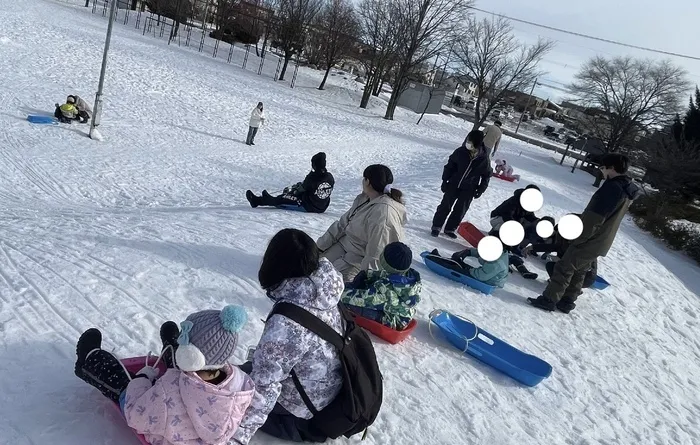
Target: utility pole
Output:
[(98, 98), (529, 99)]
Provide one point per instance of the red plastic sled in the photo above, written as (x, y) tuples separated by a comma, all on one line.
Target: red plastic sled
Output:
[(470, 233), (134, 365), (386, 333), (504, 177)]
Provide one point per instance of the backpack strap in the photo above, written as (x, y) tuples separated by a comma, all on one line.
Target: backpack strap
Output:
[(311, 322)]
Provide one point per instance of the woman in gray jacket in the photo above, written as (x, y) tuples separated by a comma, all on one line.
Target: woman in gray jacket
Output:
[(376, 218)]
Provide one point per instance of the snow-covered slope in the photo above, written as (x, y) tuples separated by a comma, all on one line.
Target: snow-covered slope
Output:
[(152, 224)]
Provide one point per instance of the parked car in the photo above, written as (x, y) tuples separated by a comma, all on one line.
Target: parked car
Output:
[(471, 105), (496, 114)]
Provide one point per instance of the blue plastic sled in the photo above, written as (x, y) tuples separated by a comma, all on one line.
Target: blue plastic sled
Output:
[(455, 276), (44, 120), (600, 283), (468, 337), (291, 208)]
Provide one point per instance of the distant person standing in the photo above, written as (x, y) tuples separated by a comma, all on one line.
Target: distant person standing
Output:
[(464, 178), (257, 119), (492, 137), (601, 221)]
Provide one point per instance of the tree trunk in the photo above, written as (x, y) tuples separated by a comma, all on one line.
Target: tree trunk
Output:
[(325, 77), (87, 3), (396, 93), (430, 98), (284, 67), (379, 84), (367, 93)]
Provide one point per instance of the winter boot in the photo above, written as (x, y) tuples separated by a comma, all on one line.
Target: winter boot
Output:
[(169, 332), (451, 235), (265, 194), (435, 233), (100, 368), (252, 199), (543, 303), (566, 304), (526, 273)]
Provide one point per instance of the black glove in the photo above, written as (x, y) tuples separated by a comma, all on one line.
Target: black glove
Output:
[(459, 256), (443, 187)]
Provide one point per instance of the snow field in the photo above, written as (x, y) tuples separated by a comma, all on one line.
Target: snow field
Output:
[(152, 224)]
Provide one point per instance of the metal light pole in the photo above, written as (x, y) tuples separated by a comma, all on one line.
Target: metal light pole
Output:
[(526, 107), (98, 98)]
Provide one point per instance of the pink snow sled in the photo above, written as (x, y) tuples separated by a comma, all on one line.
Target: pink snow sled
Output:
[(134, 365), (506, 178)]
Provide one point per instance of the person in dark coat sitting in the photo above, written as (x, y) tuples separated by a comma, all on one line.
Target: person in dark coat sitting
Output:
[(314, 194), (464, 178)]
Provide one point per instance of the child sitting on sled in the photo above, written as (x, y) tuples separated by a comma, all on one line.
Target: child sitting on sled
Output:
[(388, 296), (314, 194), (503, 169), (493, 273), (201, 401)]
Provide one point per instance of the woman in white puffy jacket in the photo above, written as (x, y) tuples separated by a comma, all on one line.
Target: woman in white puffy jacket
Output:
[(257, 118)]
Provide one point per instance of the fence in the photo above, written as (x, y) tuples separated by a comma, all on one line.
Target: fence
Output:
[(194, 34)]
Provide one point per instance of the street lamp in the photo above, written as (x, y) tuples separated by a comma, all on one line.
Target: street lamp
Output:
[(94, 134)]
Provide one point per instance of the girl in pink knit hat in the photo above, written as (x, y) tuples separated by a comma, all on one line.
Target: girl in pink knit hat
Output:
[(199, 401)]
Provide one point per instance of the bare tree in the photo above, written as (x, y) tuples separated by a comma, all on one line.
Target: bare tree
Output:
[(294, 17), (489, 55), (426, 28), (339, 27), (379, 37), (634, 95)]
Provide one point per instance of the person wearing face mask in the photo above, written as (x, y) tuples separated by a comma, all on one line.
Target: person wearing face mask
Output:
[(464, 178), (601, 221)]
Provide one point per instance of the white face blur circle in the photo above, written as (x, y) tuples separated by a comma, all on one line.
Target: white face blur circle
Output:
[(490, 248), (511, 233), (545, 229), (531, 200), (570, 227)]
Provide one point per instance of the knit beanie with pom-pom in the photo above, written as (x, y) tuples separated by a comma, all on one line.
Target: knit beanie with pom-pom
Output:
[(208, 338)]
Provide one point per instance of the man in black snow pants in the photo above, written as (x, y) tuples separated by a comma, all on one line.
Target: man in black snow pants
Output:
[(465, 177)]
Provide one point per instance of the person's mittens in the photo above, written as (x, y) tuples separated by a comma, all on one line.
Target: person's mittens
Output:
[(149, 372)]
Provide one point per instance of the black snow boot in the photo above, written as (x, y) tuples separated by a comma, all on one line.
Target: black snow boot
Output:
[(252, 199), (169, 332), (100, 368), (526, 273), (566, 304), (435, 233), (265, 194), (543, 303)]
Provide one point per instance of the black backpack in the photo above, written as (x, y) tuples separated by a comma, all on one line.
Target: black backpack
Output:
[(357, 404)]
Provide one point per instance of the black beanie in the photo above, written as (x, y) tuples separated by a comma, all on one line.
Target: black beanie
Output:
[(396, 258), (318, 162)]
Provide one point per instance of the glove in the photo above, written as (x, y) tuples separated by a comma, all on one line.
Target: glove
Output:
[(359, 281), (149, 372), (443, 187), (460, 256)]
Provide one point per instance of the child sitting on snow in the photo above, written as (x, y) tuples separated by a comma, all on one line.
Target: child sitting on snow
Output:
[(201, 401), (389, 295), (75, 109), (493, 273), (314, 194), (503, 169)]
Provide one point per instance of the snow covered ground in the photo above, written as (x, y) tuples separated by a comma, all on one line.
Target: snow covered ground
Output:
[(152, 224)]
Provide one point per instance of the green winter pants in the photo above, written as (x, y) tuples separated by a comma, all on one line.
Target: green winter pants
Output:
[(568, 275)]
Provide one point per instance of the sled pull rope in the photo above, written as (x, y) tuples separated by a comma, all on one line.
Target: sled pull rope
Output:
[(437, 312)]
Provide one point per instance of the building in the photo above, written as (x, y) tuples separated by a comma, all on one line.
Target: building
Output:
[(418, 95), (463, 86)]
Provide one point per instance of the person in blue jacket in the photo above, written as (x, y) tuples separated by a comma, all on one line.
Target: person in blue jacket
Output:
[(493, 273)]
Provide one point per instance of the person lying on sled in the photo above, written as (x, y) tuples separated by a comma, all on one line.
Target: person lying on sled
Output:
[(493, 273), (200, 398), (314, 194), (389, 295)]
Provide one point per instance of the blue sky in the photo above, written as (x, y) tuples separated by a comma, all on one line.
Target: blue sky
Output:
[(673, 25)]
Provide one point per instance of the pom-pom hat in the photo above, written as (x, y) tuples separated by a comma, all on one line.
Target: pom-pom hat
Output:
[(208, 338)]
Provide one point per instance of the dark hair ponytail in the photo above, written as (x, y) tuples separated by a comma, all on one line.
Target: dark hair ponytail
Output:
[(290, 254), (379, 176)]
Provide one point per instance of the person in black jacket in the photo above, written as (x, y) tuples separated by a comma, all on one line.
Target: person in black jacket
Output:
[(465, 177), (314, 194), (512, 210)]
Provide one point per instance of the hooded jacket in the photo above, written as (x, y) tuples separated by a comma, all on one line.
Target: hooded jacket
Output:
[(394, 295), (315, 192), (180, 408), (363, 232), (465, 171), (511, 210), (604, 214), (285, 345), (82, 105)]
